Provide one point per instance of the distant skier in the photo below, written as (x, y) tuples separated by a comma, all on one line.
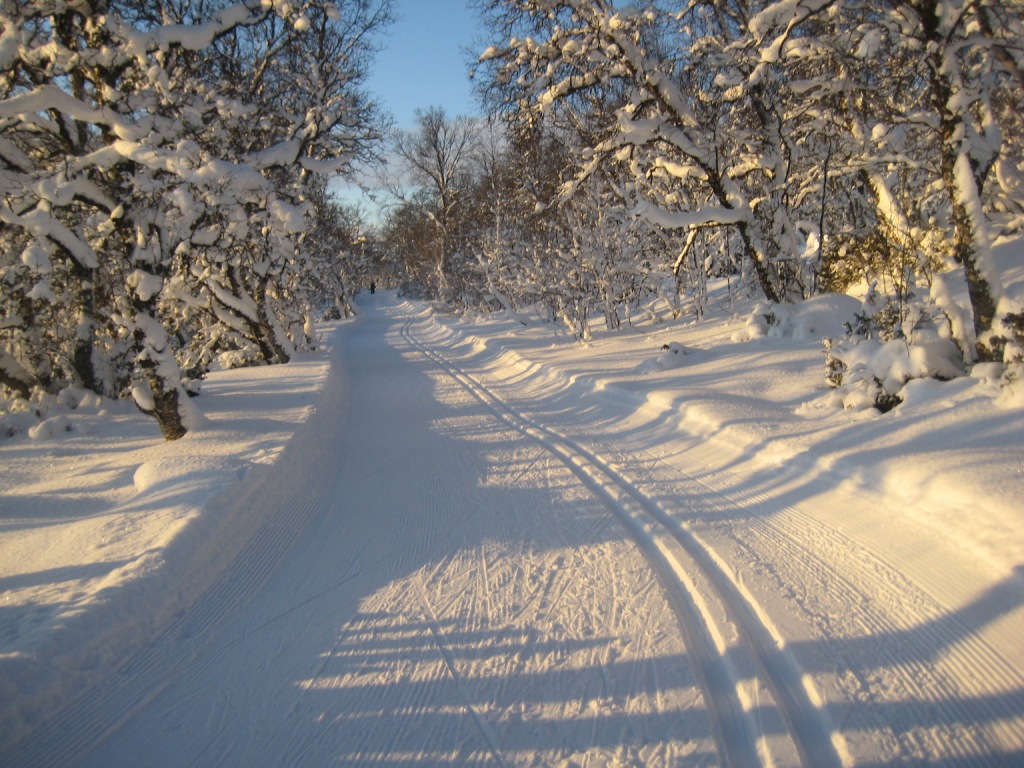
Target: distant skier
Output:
[(373, 287)]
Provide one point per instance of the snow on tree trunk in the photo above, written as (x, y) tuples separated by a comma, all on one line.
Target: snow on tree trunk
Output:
[(972, 249), (960, 80), (160, 393)]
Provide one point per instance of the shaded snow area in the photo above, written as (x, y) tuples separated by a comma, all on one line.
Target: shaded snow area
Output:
[(444, 542)]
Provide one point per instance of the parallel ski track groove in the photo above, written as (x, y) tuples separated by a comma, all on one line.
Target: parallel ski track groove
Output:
[(736, 730), (921, 679)]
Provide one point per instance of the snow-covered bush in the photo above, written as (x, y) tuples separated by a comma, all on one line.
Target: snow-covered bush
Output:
[(881, 352), (673, 355), (16, 418), (1010, 331), (872, 373), (46, 416)]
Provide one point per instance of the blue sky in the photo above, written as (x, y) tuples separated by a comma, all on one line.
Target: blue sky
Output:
[(422, 63)]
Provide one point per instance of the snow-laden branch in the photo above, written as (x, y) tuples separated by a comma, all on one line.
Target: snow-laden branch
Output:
[(44, 225), (139, 44), (50, 97), (711, 215)]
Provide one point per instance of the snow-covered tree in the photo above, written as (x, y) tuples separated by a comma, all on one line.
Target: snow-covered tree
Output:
[(970, 57), (824, 138), (652, 119), (156, 154), (435, 157)]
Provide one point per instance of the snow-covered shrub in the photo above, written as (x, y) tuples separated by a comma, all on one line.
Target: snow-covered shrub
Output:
[(1011, 394), (45, 416), (16, 417), (51, 427), (672, 355), (872, 373), (1010, 328), (883, 351)]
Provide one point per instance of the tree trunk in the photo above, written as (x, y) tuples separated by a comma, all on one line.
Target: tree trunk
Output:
[(166, 405), (755, 245), (760, 261), (960, 177), (966, 253)]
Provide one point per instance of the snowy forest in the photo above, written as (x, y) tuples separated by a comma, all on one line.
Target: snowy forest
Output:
[(166, 171)]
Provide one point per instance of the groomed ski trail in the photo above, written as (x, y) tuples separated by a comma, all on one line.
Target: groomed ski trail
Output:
[(427, 586), (468, 558), (826, 588), (679, 558)]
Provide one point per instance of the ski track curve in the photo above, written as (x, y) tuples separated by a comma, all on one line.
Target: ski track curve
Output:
[(446, 618), (946, 712), (650, 526), (768, 700)]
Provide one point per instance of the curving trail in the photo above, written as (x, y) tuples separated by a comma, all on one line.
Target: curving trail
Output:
[(867, 653), (462, 560)]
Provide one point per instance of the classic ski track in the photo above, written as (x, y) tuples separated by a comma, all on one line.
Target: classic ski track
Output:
[(972, 734), (877, 581), (649, 525)]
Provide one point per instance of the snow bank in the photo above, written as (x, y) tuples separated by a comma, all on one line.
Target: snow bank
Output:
[(110, 531), (206, 472)]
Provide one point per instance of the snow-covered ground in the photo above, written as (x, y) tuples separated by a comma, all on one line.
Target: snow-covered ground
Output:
[(437, 541)]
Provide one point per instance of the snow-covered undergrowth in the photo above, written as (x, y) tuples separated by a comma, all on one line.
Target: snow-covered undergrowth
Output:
[(877, 350), (754, 382)]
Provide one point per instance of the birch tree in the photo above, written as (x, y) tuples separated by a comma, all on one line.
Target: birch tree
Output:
[(137, 157), (436, 157)]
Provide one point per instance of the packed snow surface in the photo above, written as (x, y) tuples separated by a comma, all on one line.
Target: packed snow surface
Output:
[(437, 541)]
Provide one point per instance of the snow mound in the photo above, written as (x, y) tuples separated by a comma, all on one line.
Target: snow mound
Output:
[(876, 374), (673, 355), (894, 363), (49, 428), (74, 398), (819, 317), (16, 423), (46, 416), (195, 472)]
